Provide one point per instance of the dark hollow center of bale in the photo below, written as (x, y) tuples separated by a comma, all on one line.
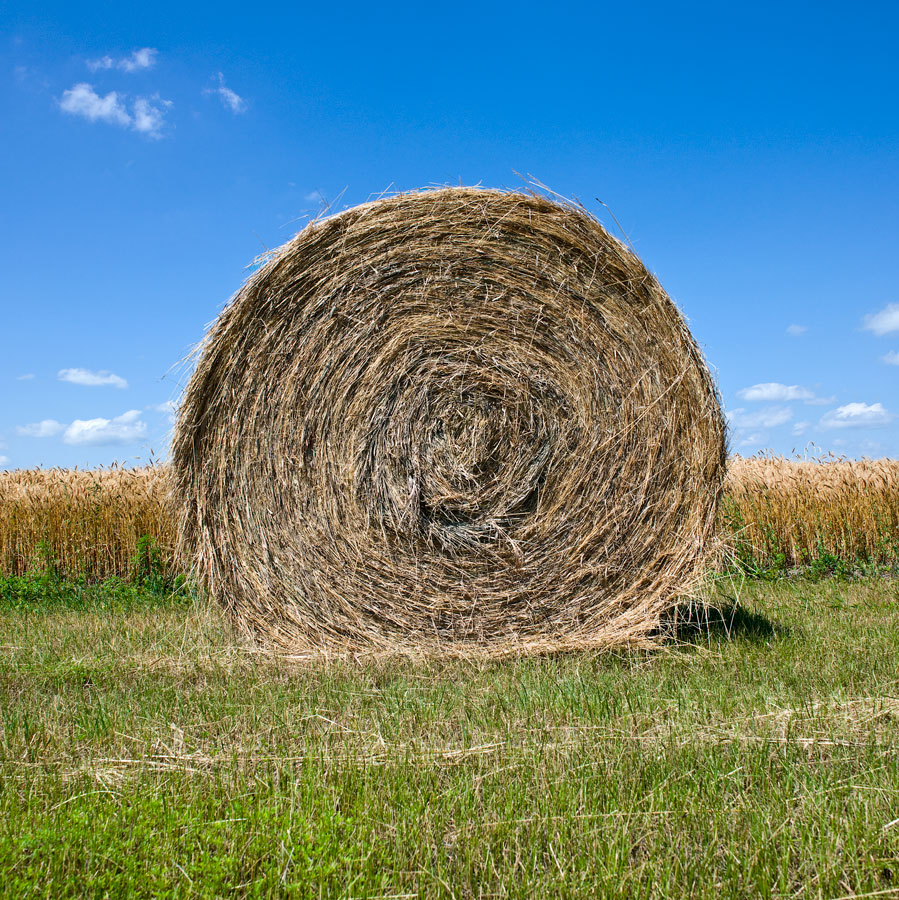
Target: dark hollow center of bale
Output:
[(465, 447), (472, 468)]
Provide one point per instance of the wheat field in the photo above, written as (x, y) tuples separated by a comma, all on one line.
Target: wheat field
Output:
[(775, 511), (81, 522), (788, 512)]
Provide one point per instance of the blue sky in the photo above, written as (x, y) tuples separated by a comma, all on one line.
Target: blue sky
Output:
[(151, 153)]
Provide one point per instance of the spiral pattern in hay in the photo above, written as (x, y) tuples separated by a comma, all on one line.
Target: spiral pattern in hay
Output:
[(450, 419)]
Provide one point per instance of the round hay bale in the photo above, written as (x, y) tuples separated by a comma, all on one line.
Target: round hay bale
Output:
[(454, 420)]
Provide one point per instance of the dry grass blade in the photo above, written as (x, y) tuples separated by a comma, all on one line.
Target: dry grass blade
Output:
[(450, 420)]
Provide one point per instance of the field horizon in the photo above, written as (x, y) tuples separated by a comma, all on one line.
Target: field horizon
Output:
[(776, 513)]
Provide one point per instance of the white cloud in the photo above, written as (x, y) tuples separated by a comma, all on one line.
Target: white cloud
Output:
[(891, 358), (146, 116), (767, 417), (800, 428), (122, 429), (230, 99), (145, 58), (796, 330), (92, 379), (4, 460), (27, 377), (315, 197), (83, 100), (885, 321), (752, 440), (857, 415), (42, 429), (101, 63), (772, 391), (149, 114)]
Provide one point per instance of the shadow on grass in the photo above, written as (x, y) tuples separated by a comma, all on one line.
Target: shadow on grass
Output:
[(726, 623)]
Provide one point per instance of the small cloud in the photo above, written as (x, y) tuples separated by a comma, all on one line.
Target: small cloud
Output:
[(885, 321), (92, 379), (4, 460), (796, 330), (145, 58), (752, 440), (230, 99), (767, 417), (149, 114), (146, 116), (857, 415), (122, 429), (100, 64), (28, 376), (772, 390), (82, 100), (800, 428), (43, 429), (891, 358), (314, 197)]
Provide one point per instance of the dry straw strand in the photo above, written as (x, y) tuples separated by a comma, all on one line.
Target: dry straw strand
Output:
[(457, 419)]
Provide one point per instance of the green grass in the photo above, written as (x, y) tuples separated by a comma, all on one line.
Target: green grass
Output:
[(144, 752)]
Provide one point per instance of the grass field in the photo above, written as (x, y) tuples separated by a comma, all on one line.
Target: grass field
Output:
[(145, 752)]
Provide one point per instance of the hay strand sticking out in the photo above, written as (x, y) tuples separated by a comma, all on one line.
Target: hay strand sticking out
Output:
[(456, 418)]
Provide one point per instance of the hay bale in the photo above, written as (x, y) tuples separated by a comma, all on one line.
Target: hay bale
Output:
[(458, 419)]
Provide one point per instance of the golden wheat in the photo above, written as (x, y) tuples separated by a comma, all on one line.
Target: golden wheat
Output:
[(803, 509), (90, 521), (81, 521)]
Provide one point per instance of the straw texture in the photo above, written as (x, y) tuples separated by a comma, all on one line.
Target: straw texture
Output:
[(451, 420)]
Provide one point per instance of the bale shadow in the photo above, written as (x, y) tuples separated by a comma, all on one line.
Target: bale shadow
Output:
[(729, 622)]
